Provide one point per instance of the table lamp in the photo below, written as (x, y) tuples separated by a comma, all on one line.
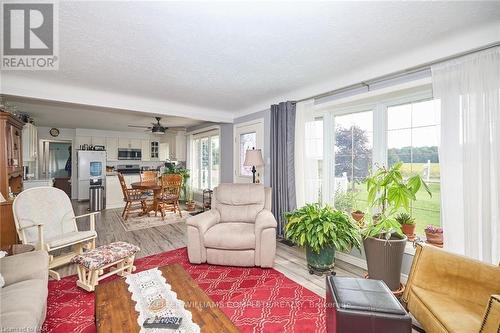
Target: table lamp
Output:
[(253, 158)]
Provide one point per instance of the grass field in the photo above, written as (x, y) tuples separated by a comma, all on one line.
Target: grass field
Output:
[(425, 209)]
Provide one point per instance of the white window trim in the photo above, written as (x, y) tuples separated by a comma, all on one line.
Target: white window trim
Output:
[(236, 149), (200, 133)]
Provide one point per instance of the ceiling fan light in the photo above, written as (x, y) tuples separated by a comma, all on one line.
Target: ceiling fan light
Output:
[(157, 131)]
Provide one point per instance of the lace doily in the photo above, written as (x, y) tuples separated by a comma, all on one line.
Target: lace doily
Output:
[(149, 288)]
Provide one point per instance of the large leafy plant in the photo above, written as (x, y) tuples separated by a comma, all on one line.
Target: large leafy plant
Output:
[(387, 189), (389, 192), (319, 226)]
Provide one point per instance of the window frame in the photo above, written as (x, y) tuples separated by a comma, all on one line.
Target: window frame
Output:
[(378, 105), (208, 133)]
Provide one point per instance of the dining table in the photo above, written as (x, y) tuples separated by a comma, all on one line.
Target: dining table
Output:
[(154, 186)]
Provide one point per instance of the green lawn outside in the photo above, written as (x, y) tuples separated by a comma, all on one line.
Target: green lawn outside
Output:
[(426, 210)]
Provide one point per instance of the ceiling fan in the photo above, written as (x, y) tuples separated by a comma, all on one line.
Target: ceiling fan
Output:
[(158, 128)]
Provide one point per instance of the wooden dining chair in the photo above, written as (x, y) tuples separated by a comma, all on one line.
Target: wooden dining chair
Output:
[(132, 197), (171, 188), (149, 176)]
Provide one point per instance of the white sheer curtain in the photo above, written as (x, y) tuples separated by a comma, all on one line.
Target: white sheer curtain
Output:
[(469, 90), (308, 154)]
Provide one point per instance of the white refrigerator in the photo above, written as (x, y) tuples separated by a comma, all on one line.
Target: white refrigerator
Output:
[(91, 171)]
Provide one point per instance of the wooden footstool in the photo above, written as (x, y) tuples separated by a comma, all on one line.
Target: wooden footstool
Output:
[(117, 257)]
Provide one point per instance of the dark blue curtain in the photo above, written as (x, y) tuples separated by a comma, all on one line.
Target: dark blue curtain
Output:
[(282, 160)]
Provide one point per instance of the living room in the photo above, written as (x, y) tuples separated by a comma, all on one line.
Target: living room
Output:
[(250, 167)]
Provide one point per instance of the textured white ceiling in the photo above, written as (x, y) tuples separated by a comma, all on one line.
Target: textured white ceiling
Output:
[(230, 56), (66, 115)]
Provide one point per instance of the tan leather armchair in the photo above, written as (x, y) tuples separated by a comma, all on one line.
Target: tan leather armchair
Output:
[(452, 293), (239, 230)]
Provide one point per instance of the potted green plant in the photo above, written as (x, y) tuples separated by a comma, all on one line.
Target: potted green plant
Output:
[(383, 240), (434, 235), (407, 223), (322, 230), (346, 201)]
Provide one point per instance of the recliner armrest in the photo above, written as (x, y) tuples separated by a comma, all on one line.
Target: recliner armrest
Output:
[(265, 219), (24, 266), (204, 221), (491, 319)]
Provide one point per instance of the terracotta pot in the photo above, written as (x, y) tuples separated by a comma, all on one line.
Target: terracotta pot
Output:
[(358, 215), (409, 230), (434, 237), (190, 206)]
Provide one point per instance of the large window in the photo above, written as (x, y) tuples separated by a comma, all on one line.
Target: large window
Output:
[(413, 135), (205, 160), (360, 137)]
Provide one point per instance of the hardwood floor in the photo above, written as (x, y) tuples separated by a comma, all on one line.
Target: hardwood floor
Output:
[(289, 260)]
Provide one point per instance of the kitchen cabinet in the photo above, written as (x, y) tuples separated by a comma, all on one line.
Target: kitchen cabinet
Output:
[(99, 140), (164, 151), (127, 143), (30, 143), (82, 140), (112, 149), (135, 143), (146, 150), (180, 146), (155, 150)]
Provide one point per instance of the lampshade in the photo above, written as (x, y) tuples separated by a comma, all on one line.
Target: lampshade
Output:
[(253, 157)]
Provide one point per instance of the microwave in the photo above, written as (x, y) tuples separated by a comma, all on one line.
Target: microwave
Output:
[(129, 154)]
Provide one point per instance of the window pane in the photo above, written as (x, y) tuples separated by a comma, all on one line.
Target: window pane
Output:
[(205, 161), (195, 174), (353, 159), (417, 146), (247, 141), (214, 176), (424, 114), (399, 117)]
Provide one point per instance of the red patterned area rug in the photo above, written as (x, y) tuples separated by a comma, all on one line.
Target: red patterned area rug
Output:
[(255, 299)]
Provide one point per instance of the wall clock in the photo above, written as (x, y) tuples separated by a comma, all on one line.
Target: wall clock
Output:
[(54, 132)]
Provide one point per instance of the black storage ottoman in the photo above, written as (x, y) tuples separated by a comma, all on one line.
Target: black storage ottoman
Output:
[(363, 306)]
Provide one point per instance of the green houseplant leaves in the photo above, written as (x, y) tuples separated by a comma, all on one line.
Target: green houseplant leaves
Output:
[(319, 226), (389, 191)]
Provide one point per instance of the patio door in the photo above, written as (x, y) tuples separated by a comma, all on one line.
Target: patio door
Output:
[(247, 135)]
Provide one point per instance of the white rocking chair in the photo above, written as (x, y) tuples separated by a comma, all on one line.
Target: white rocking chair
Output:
[(44, 218)]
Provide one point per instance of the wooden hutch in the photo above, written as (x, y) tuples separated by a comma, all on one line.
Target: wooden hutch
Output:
[(11, 173)]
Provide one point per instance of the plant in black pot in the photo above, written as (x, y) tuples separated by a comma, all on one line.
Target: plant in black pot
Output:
[(383, 239), (322, 230)]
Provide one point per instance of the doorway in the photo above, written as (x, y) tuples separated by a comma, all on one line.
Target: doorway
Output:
[(56, 163)]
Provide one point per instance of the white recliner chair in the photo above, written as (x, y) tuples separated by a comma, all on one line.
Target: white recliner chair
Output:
[(239, 230)]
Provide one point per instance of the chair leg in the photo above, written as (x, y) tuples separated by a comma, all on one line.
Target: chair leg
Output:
[(178, 208), (124, 209), (53, 274), (127, 208)]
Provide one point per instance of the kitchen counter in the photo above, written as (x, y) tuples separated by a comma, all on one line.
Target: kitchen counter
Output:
[(30, 183)]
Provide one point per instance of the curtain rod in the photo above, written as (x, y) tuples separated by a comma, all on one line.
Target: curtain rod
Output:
[(393, 75)]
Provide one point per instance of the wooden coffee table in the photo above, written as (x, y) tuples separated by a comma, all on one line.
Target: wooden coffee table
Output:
[(114, 308)]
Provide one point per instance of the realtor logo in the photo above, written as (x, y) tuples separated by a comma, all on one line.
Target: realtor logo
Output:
[(30, 36)]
